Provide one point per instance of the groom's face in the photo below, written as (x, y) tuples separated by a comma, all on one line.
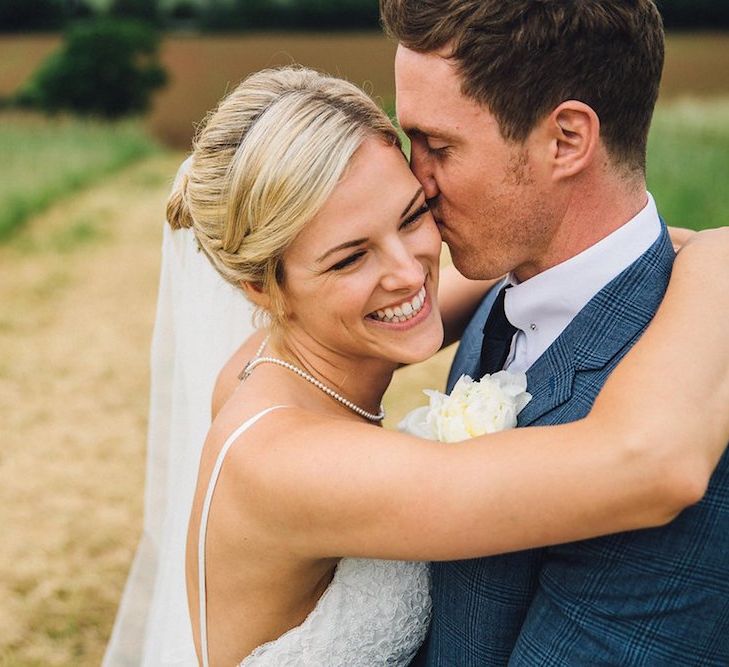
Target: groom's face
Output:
[(487, 194)]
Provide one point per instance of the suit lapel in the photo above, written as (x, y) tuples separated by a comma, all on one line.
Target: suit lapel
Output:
[(612, 319), (549, 381), (468, 356)]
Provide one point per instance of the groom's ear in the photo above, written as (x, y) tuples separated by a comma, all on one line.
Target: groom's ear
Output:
[(574, 130), (255, 294)]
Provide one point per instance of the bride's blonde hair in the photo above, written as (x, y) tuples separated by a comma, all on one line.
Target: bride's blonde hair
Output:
[(264, 163)]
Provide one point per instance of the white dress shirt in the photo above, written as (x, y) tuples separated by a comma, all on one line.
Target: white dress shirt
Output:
[(542, 307)]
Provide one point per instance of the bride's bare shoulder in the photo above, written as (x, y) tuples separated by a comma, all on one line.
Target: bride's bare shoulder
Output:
[(228, 380)]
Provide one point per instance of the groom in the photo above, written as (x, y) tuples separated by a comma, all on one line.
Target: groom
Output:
[(528, 121)]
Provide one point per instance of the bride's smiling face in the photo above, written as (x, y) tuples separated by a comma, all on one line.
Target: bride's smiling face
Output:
[(361, 278)]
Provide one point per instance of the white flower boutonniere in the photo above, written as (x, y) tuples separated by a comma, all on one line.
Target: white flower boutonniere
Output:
[(472, 409)]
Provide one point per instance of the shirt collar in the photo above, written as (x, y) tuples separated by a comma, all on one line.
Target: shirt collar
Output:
[(544, 305)]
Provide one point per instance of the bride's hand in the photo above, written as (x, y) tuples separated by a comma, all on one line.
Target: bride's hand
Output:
[(680, 236), (683, 238)]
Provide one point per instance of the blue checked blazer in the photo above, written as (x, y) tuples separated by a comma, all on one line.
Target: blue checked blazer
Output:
[(649, 598)]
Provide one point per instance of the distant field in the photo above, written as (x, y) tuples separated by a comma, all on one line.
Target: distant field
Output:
[(688, 162), (20, 55), (203, 68), (44, 159)]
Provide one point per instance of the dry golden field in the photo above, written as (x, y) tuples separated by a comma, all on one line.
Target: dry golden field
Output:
[(75, 319), (202, 68)]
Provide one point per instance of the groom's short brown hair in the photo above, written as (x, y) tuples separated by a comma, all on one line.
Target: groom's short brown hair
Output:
[(522, 58)]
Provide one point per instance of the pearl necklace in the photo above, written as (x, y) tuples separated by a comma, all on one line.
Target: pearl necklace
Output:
[(258, 359)]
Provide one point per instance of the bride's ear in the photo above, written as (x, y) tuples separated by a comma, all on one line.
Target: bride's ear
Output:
[(255, 294)]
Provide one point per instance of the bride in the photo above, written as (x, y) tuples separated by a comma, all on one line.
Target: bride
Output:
[(309, 523)]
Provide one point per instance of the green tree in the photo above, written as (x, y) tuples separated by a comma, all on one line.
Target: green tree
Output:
[(141, 10), (105, 67), (184, 11), (292, 14)]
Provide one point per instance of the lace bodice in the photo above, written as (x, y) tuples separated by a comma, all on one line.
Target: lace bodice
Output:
[(374, 612)]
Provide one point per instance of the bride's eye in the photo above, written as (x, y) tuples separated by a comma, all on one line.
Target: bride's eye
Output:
[(348, 261), (414, 217)]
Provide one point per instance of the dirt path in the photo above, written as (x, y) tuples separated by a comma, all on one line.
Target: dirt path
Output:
[(77, 294)]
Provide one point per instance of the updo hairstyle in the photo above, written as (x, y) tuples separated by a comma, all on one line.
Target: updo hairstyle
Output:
[(264, 163)]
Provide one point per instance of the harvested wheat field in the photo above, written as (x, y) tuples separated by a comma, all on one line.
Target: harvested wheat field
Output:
[(77, 298), (76, 312)]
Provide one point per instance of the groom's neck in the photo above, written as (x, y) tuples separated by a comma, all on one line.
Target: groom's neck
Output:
[(594, 209)]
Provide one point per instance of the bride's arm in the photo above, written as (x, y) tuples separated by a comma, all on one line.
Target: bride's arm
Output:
[(680, 236), (645, 452)]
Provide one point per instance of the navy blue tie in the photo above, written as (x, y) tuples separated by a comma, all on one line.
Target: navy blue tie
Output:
[(497, 335)]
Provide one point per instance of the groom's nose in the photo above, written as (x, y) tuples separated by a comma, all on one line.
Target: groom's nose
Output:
[(421, 164)]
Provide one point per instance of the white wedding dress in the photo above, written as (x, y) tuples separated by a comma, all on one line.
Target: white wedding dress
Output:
[(374, 612)]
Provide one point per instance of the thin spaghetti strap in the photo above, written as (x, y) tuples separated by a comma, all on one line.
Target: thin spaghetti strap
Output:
[(202, 591)]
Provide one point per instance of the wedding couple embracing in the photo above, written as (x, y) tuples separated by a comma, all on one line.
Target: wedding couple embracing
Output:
[(597, 533)]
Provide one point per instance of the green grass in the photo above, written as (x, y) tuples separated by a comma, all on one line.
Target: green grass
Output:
[(688, 163), (44, 159)]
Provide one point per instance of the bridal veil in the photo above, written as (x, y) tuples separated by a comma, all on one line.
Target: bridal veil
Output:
[(200, 322)]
